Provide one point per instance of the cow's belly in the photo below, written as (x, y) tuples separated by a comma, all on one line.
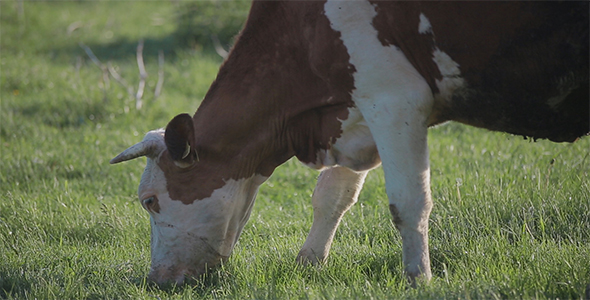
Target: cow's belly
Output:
[(354, 149)]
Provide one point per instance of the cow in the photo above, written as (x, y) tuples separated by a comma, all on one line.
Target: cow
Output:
[(346, 86)]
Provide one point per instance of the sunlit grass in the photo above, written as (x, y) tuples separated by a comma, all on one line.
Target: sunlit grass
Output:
[(511, 217)]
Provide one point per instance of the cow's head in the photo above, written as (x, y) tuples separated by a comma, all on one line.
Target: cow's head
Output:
[(196, 213)]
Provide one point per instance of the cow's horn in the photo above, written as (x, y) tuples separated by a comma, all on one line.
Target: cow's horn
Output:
[(144, 148)]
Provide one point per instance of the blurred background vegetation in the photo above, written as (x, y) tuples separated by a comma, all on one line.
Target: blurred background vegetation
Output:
[(44, 66), (198, 21)]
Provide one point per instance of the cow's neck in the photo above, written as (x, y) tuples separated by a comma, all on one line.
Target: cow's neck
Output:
[(273, 98), (268, 102)]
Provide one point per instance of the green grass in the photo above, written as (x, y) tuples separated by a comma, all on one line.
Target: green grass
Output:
[(511, 217)]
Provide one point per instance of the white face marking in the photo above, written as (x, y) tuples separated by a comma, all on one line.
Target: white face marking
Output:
[(151, 180), (395, 101), (187, 238), (424, 26)]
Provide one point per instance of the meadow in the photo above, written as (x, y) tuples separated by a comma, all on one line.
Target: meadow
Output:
[(511, 216)]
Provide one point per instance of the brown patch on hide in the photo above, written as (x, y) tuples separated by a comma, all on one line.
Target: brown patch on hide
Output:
[(282, 92), (515, 57)]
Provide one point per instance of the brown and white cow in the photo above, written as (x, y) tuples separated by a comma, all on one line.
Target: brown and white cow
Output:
[(345, 86)]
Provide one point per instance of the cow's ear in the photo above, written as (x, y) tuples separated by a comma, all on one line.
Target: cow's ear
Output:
[(180, 141)]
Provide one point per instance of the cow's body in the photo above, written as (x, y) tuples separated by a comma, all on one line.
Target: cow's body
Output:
[(345, 86)]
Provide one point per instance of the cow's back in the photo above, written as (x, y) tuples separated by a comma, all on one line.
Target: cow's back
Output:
[(518, 67)]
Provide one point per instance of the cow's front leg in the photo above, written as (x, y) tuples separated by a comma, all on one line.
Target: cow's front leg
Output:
[(399, 128), (395, 101), (336, 191)]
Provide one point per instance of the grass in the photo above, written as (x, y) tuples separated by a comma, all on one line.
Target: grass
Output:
[(511, 217)]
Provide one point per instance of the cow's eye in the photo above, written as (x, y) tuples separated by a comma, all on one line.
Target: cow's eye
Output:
[(148, 202)]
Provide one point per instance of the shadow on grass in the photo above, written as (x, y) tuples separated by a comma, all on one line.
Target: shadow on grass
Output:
[(124, 49), (196, 24), (203, 286), (13, 284)]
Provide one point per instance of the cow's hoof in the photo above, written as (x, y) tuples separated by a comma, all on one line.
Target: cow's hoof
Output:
[(418, 278), (307, 257)]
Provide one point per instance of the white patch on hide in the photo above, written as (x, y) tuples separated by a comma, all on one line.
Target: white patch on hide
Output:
[(395, 101), (446, 65), (424, 26), (451, 75), (354, 149)]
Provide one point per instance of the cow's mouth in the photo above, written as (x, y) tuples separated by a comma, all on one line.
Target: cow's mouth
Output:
[(164, 275)]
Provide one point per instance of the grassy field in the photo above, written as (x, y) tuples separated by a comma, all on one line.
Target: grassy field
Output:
[(511, 217)]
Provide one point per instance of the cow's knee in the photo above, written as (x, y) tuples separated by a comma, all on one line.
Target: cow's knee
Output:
[(337, 190)]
